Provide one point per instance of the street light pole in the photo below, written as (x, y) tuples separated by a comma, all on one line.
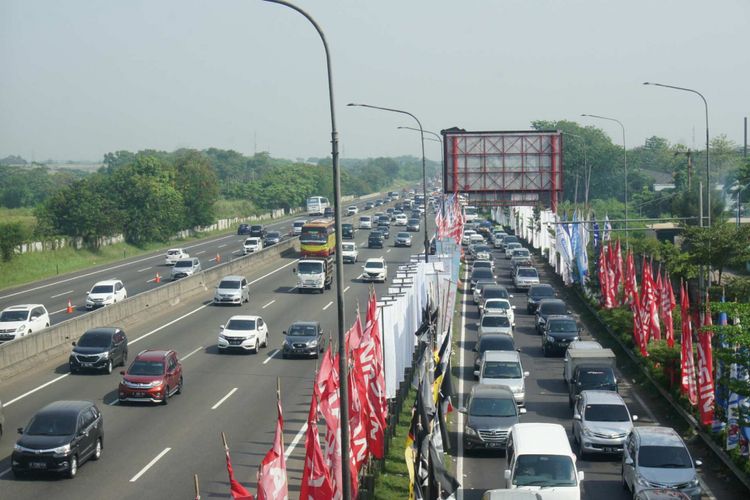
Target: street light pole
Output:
[(424, 168), (708, 180), (343, 355), (625, 157), (586, 173)]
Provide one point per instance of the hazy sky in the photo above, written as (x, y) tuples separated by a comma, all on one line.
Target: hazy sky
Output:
[(82, 78)]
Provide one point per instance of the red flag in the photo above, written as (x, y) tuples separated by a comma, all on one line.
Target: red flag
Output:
[(667, 304), (640, 333), (705, 369), (649, 303), (687, 363), (358, 417), (236, 489), (316, 481), (272, 483), (631, 282), (369, 365), (354, 335), (618, 271), (330, 406), (604, 279)]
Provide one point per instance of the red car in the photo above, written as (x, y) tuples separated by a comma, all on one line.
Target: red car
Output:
[(153, 376)]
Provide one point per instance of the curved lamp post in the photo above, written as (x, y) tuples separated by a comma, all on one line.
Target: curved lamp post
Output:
[(343, 355), (424, 169), (437, 139)]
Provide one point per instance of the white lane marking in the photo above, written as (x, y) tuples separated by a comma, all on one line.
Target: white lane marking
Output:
[(274, 300), (222, 246), (328, 305), (388, 251), (149, 465), (114, 402), (144, 269), (4, 472), (347, 288), (198, 253), (218, 403), (192, 352), (143, 336), (61, 294), (295, 441), (271, 356), (108, 269), (32, 391), (460, 423), (167, 324)]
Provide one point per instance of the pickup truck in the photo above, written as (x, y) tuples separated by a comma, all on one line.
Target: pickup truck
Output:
[(588, 369), (314, 273)]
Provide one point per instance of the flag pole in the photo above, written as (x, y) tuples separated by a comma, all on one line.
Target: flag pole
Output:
[(197, 487)]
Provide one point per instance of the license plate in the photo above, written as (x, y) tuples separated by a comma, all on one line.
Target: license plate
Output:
[(37, 465), (138, 394), (493, 445), (85, 365), (611, 450)]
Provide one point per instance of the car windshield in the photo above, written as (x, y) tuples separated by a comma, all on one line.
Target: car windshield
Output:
[(521, 252), (539, 292), (241, 324), (299, 224), (598, 377), (229, 284), (527, 273), (482, 264), (310, 267), (346, 226), (256, 228), (499, 343), (374, 265), (502, 369), (302, 331), (14, 315), (184, 263), (664, 457), (414, 221), (492, 407), (512, 246), (554, 308), (103, 289), (606, 413), (403, 235), (347, 247), (95, 340), (544, 470), (143, 367), (560, 326), (50, 424), (496, 321)]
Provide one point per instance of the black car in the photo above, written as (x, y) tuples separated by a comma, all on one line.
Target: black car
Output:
[(385, 229), (559, 332), (548, 307), (257, 231), (492, 342), (59, 438), (303, 338), (537, 293), (347, 231), (243, 229), (272, 238), (369, 205), (433, 245), (101, 348), (328, 213), (375, 240), (378, 203)]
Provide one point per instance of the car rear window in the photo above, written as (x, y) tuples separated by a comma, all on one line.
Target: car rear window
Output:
[(554, 308), (497, 321), (496, 343), (606, 413)]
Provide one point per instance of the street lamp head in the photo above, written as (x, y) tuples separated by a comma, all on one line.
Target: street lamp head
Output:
[(352, 104), (646, 83)]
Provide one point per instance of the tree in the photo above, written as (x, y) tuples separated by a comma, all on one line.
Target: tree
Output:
[(197, 183), (12, 234), (718, 246)]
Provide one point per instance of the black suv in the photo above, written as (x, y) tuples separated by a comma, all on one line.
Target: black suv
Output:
[(347, 231), (548, 307), (257, 231), (375, 239), (243, 229), (99, 349), (304, 338), (385, 229), (59, 438), (536, 294), (559, 332)]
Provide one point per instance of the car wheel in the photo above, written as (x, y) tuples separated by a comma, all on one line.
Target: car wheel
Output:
[(622, 480), (72, 468), (19, 474), (265, 341), (284, 355), (46, 326), (165, 400), (98, 450), (108, 369), (257, 346), (73, 370), (179, 387)]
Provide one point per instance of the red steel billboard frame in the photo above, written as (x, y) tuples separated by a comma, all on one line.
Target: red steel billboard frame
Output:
[(504, 167)]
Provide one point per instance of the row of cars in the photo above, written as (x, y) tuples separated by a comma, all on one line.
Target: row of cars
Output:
[(655, 463)]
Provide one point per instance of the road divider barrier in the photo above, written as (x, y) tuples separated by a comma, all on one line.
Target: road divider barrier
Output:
[(29, 351)]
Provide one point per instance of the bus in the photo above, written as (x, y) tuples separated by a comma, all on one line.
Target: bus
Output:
[(470, 213), (318, 238), (316, 205)]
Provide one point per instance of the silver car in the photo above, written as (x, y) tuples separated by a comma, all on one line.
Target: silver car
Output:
[(495, 322), (186, 267), (232, 290), (601, 422), (656, 457)]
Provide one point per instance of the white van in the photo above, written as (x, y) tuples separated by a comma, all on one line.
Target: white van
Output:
[(539, 458), (365, 222), (316, 205)]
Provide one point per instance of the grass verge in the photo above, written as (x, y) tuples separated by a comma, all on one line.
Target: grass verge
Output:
[(393, 481)]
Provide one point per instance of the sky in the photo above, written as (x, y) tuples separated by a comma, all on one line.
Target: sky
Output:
[(81, 78)]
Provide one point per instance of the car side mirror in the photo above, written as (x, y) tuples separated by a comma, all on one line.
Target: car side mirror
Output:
[(284, 332), (122, 372), (221, 327), (634, 418), (476, 373), (580, 475), (20, 430), (88, 293), (698, 462), (525, 374), (628, 461), (74, 343), (294, 270), (522, 411), (477, 323), (512, 307), (577, 417), (476, 348), (506, 474), (462, 410), (510, 295)]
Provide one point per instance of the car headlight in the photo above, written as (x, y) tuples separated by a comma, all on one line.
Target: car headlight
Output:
[(542, 320), (109, 297), (105, 355), (312, 343), (642, 482), (469, 431), (20, 328), (695, 482), (156, 383), (517, 390), (222, 337), (587, 432), (18, 447), (62, 450)]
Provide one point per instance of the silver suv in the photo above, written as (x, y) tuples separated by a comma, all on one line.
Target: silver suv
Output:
[(186, 267), (656, 457), (601, 422), (232, 290)]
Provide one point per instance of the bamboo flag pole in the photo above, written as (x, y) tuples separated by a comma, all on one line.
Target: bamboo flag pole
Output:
[(278, 400), (197, 487)]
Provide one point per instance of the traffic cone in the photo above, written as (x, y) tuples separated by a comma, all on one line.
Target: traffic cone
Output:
[(69, 309), (157, 279), (218, 258)]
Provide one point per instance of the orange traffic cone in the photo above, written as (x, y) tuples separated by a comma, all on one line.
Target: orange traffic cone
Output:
[(157, 279), (218, 258), (69, 309)]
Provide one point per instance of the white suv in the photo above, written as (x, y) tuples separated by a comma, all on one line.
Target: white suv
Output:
[(105, 293), (375, 269), (17, 321), (243, 333), (365, 222), (349, 252), (175, 254), (252, 245)]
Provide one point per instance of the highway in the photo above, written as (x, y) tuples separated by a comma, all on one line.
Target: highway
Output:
[(153, 451), (137, 274), (546, 400)]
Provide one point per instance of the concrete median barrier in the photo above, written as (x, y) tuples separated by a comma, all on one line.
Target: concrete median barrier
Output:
[(23, 354)]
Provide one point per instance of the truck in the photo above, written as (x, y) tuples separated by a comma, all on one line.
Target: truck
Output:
[(587, 369), (314, 273)]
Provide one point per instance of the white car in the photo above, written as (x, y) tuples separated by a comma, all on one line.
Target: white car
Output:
[(365, 222), (352, 210), (175, 254), (499, 305), (297, 226), (476, 238), (105, 293), (251, 245), (375, 269), (349, 252), (243, 333), (466, 239), (401, 219), (17, 321), (509, 249)]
